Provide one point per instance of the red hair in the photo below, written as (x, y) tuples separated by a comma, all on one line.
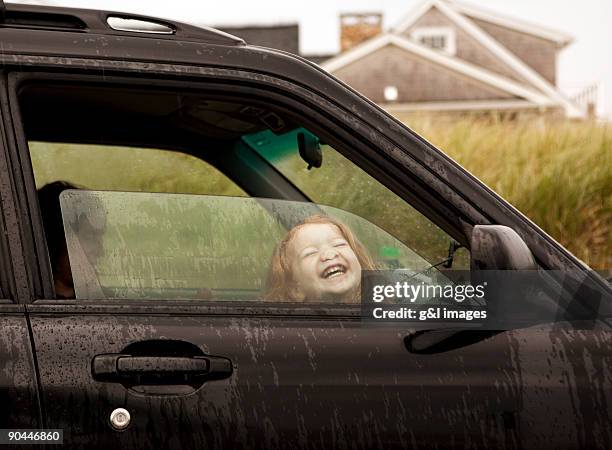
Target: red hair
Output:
[(280, 285)]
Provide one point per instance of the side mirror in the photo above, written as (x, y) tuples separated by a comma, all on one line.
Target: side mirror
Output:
[(497, 247), (493, 247)]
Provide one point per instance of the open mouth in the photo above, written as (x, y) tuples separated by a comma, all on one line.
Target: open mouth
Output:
[(334, 271)]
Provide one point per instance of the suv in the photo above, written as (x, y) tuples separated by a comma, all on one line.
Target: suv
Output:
[(167, 162)]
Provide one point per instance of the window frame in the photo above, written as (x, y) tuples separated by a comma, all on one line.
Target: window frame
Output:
[(391, 176), (14, 280)]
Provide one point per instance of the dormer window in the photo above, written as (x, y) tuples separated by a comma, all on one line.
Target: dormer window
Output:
[(437, 38), (437, 42)]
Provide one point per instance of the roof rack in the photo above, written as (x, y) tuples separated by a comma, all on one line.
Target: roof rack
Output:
[(15, 15)]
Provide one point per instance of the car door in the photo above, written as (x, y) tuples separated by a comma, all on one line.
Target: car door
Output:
[(252, 374), (18, 378)]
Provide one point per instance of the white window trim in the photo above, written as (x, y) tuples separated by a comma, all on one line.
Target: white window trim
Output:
[(449, 37)]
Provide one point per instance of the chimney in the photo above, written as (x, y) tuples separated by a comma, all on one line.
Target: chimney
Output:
[(358, 27)]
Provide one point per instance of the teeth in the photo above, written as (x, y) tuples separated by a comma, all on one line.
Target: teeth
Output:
[(333, 271)]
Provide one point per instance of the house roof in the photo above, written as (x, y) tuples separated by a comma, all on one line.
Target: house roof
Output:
[(457, 65), (451, 11), (476, 12)]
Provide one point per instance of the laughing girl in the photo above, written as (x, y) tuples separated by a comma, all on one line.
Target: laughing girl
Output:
[(318, 260)]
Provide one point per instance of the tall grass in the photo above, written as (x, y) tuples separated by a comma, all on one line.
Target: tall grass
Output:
[(558, 173)]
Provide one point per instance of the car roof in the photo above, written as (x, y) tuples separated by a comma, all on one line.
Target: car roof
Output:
[(85, 33), (61, 36), (90, 21)]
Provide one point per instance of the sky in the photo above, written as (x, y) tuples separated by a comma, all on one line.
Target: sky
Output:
[(586, 61)]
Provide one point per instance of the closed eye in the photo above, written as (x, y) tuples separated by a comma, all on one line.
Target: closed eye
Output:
[(341, 244), (309, 252)]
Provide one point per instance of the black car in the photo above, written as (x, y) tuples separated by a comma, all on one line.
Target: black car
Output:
[(149, 170)]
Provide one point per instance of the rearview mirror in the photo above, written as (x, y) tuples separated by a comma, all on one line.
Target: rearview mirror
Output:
[(310, 149)]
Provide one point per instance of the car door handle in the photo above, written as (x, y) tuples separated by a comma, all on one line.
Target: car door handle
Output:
[(157, 370)]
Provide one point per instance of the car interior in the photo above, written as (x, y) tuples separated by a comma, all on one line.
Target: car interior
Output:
[(208, 128)]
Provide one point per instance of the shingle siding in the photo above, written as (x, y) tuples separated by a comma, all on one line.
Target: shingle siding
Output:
[(540, 54), (416, 79), (468, 48)]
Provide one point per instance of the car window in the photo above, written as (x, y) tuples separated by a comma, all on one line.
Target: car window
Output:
[(174, 246), (154, 141), (109, 167), (339, 182)]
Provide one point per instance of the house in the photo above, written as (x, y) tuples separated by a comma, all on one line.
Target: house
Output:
[(450, 56)]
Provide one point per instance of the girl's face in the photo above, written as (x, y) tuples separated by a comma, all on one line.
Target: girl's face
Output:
[(322, 262)]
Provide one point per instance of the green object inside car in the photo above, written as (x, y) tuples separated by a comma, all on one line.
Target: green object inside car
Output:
[(275, 147), (389, 252)]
